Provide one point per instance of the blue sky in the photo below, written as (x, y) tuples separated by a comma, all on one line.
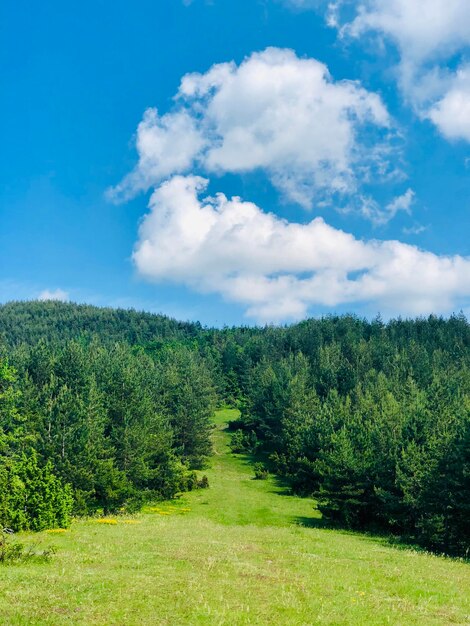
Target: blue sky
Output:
[(343, 134)]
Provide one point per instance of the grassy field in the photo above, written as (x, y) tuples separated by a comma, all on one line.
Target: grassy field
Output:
[(241, 552)]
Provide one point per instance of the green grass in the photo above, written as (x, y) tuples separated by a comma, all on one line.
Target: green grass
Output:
[(242, 554)]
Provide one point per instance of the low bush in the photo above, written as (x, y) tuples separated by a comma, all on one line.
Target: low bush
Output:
[(261, 473), (15, 552), (203, 483), (244, 442)]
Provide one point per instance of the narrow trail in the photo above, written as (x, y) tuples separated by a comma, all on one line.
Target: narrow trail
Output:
[(234, 496)]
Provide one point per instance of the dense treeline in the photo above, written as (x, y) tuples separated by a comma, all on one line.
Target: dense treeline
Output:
[(373, 419), (89, 425), (29, 322)]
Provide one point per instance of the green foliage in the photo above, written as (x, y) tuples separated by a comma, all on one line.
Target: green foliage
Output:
[(203, 482), (12, 551), (119, 423), (189, 400), (32, 497), (31, 322), (244, 442), (370, 418), (256, 555), (261, 473)]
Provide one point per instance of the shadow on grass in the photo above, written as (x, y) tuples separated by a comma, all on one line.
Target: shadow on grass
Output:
[(387, 540), (311, 522), (283, 487)]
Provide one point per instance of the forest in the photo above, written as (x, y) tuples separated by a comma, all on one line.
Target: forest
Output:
[(102, 410)]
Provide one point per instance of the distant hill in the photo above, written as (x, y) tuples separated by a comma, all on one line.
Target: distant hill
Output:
[(28, 322)]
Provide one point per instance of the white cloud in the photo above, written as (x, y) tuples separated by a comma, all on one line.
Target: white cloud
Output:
[(423, 29), (371, 210), (452, 112), (274, 112), (429, 34), (166, 145), (277, 270), (55, 294), (416, 229)]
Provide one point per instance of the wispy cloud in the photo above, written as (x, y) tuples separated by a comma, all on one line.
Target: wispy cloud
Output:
[(379, 216), (417, 229)]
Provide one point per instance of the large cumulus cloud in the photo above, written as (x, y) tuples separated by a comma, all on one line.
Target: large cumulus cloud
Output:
[(278, 270), (275, 112)]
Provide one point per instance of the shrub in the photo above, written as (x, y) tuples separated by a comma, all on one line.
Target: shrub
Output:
[(244, 442), (15, 552), (191, 481), (203, 483), (261, 473)]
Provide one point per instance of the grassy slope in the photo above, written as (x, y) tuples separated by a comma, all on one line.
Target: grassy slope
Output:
[(241, 555)]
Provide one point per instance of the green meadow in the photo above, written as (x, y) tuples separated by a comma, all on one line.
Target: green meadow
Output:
[(241, 552)]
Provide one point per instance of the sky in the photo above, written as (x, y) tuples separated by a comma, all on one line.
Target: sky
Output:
[(248, 162)]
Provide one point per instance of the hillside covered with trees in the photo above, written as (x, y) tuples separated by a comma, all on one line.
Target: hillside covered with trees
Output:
[(105, 409)]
